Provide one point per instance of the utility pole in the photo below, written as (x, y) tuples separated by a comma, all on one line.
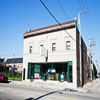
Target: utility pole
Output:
[(14, 64), (91, 43), (79, 22), (14, 59), (14, 67)]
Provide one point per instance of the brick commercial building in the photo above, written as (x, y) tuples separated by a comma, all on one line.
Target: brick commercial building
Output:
[(52, 54)]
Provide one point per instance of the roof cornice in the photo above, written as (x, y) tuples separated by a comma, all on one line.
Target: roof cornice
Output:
[(50, 28)]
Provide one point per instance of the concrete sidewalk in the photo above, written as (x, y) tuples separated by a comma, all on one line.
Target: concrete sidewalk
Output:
[(91, 87), (43, 84), (49, 85)]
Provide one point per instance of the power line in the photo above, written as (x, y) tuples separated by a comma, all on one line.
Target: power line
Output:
[(86, 4), (82, 10), (80, 5), (86, 7), (89, 17), (9, 55), (56, 19), (63, 10), (83, 5)]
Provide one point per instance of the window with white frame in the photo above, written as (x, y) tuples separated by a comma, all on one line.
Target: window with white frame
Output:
[(53, 46), (68, 45), (30, 49)]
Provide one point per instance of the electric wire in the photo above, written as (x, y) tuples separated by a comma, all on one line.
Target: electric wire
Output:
[(83, 5), (56, 19), (80, 5), (89, 18), (63, 10), (83, 8), (9, 55)]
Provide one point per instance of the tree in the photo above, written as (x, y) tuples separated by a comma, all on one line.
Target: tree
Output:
[(4, 68), (95, 70), (99, 74)]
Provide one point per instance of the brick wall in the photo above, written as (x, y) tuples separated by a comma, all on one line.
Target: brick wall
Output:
[(78, 57)]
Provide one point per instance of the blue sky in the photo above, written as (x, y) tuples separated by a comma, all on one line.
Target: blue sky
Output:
[(17, 16)]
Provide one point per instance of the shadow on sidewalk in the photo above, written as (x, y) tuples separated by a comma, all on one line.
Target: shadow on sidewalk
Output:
[(44, 95), (66, 89), (6, 82)]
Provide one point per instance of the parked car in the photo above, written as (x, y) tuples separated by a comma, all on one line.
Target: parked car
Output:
[(3, 78)]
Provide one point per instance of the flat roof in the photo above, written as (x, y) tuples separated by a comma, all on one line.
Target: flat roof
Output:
[(49, 28)]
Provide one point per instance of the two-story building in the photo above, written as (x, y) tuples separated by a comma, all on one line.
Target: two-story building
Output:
[(53, 54)]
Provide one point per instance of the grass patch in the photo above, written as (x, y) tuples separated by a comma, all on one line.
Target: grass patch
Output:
[(17, 77), (14, 79)]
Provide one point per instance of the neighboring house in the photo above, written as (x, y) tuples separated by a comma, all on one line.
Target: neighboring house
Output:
[(53, 54), (16, 63)]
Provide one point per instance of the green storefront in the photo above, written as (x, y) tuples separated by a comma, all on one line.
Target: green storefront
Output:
[(50, 71)]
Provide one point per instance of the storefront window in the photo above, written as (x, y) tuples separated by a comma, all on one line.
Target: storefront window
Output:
[(30, 74), (51, 74), (51, 71), (37, 71), (69, 71)]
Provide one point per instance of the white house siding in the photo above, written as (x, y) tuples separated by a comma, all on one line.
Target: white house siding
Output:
[(18, 66), (60, 55)]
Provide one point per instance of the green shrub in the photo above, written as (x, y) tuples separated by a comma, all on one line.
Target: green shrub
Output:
[(17, 76)]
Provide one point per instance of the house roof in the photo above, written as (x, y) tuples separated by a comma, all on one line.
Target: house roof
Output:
[(14, 60), (50, 28)]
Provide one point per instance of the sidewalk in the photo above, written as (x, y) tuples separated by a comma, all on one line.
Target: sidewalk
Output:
[(91, 87), (43, 84)]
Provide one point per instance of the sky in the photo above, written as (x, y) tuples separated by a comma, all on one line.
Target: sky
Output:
[(18, 16)]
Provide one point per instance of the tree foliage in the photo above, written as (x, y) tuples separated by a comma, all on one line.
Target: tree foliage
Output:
[(95, 70)]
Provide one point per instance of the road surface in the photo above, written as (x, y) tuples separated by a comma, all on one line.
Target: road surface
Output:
[(17, 92)]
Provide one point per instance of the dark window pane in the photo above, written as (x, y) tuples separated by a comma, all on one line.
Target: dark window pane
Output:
[(30, 49), (53, 46), (68, 45)]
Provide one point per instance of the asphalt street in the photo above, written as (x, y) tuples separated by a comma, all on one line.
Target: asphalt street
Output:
[(17, 92)]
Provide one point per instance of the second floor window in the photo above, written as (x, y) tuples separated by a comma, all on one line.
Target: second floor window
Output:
[(67, 45), (30, 49), (41, 45), (53, 46)]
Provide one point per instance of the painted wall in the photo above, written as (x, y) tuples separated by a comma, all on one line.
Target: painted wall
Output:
[(19, 67), (60, 55)]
